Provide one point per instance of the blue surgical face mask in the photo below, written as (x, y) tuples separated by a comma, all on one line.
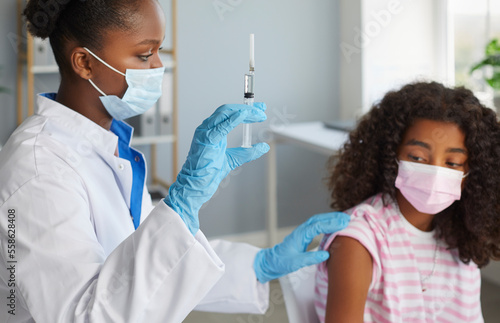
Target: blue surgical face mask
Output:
[(144, 90)]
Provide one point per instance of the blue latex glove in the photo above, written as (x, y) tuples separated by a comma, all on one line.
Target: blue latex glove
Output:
[(291, 254), (209, 160)]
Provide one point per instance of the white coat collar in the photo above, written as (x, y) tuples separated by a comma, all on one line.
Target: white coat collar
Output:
[(80, 126)]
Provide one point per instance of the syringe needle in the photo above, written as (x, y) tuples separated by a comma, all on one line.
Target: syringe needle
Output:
[(252, 53)]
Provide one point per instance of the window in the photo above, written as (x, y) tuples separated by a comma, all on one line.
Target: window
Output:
[(388, 43), (476, 23)]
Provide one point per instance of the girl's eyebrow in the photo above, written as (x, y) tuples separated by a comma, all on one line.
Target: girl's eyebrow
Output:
[(414, 142), (456, 150)]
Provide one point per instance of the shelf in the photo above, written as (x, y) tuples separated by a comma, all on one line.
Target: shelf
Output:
[(313, 136), (44, 69)]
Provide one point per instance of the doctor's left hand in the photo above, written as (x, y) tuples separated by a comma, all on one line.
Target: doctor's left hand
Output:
[(209, 160), (291, 254)]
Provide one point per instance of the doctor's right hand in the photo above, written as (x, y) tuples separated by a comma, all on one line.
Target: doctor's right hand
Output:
[(209, 160), (292, 254)]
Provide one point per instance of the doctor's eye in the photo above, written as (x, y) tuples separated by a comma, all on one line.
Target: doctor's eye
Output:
[(145, 58)]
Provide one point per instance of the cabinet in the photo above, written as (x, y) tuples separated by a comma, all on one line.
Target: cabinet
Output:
[(157, 127)]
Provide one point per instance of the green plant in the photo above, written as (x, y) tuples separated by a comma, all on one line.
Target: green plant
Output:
[(492, 59)]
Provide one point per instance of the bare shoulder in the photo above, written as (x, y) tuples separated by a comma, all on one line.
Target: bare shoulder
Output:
[(346, 247), (349, 277)]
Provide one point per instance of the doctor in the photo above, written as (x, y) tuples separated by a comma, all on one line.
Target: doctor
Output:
[(80, 240)]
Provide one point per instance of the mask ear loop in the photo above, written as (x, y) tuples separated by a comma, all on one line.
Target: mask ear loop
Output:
[(98, 89), (100, 60), (106, 64)]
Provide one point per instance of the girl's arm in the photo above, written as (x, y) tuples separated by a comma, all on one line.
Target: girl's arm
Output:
[(349, 277)]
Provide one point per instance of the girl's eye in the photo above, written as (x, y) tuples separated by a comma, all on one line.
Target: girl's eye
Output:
[(454, 165), (415, 158)]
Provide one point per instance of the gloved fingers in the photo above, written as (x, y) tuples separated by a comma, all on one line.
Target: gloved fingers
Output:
[(221, 124), (328, 222), (219, 131), (309, 258), (320, 223), (253, 113), (239, 156), (256, 113), (315, 257), (260, 105)]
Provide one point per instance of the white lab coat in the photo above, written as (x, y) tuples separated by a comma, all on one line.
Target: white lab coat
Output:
[(65, 196)]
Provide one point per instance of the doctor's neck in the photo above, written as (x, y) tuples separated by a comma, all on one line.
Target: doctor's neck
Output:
[(77, 96)]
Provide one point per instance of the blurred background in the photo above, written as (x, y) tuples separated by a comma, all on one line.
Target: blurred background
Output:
[(316, 61)]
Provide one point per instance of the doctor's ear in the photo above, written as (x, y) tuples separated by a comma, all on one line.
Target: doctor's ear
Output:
[(81, 62)]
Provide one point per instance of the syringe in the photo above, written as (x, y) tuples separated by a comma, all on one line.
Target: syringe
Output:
[(249, 95)]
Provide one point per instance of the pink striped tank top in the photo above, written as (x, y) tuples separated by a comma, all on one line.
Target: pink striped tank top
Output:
[(414, 279)]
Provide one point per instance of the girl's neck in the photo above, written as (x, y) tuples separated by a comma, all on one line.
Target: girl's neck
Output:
[(421, 221)]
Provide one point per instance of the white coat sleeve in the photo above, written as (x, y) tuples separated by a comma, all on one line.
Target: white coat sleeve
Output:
[(238, 291), (158, 274)]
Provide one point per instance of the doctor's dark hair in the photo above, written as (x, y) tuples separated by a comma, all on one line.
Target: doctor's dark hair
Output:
[(367, 164), (84, 22)]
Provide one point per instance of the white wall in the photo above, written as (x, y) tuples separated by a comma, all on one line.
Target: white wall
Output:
[(296, 49)]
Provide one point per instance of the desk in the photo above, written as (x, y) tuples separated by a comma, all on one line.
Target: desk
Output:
[(310, 135)]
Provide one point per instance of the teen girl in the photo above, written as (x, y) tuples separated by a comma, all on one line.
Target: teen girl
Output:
[(420, 177)]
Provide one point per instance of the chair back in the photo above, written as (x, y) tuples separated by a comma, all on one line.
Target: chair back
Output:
[(298, 293)]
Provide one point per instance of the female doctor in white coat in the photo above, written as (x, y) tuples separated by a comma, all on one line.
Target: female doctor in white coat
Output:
[(80, 240)]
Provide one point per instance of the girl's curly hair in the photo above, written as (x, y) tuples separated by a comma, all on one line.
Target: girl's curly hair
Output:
[(367, 163)]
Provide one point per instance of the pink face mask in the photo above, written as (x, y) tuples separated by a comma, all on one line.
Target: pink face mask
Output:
[(430, 189)]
